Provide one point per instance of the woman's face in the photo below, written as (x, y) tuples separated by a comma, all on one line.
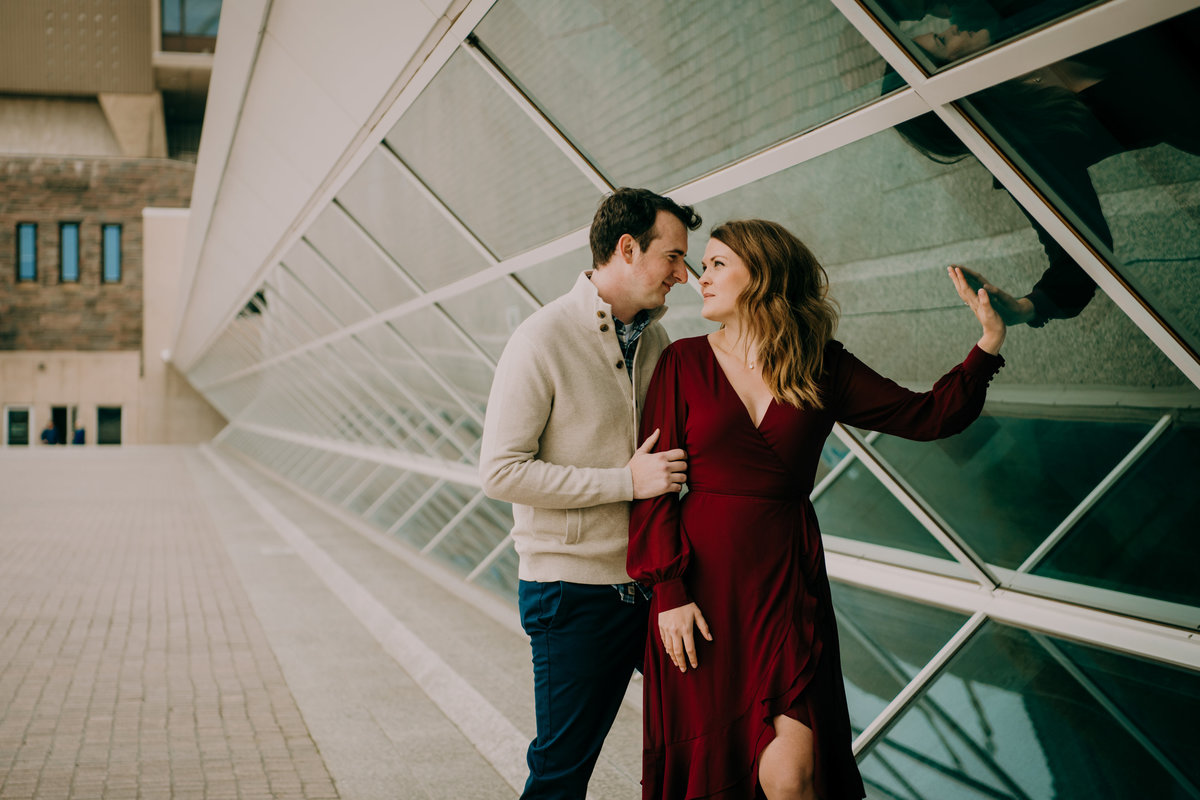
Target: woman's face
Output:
[(952, 43), (725, 276)]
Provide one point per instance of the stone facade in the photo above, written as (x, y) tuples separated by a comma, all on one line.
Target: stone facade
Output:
[(48, 314)]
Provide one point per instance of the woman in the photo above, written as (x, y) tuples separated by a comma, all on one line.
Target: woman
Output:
[(1132, 93), (756, 697)]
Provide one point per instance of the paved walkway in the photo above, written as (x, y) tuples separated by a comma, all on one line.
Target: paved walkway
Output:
[(173, 624)]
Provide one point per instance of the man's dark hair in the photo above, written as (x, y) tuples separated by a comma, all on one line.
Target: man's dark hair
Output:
[(632, 211)]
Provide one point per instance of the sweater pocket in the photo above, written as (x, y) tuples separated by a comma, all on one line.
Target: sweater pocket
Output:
[(562, 524)]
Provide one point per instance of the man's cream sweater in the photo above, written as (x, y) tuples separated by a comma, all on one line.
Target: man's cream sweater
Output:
[(561, 426)]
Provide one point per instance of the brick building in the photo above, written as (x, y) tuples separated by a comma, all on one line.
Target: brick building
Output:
[(92, 218)]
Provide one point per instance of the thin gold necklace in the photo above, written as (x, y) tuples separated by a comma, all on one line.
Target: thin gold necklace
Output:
[(749, 363)]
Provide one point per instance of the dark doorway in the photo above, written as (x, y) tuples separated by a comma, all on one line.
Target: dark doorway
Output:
[(58, 415), (108, 425)]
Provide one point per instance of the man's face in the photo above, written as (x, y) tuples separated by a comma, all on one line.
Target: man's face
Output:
[(653, 271)]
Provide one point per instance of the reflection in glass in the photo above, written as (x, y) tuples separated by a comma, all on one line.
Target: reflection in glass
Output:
[(392, 210), (1022, 475), (1155, 698), (1006, 719), (1111, 137), (885, 641), (1141, 537), (768, 70), (487, 161), (940, 32)]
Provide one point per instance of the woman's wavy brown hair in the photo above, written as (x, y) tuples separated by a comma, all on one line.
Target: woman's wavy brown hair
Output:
[(787, 308)]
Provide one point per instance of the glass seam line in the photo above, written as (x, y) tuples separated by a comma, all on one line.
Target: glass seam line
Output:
[(437, 377), (839, 468), (366, 351), (329, 375), (1102, 488), (889, 716), (561, 141), (1132, 728), (935, 708), (919, 508), (417, 505)]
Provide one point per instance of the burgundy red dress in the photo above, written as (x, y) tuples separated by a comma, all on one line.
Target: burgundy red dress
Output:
[(743, 543)]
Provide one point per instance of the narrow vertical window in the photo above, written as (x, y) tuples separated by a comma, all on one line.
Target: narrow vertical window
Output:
[(112, 253), (26, 251), (68, 252)]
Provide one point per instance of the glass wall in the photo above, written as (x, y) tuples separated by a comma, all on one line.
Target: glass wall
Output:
[(1014, 602)]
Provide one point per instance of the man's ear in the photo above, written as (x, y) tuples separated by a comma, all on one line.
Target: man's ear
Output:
[(625, 246)]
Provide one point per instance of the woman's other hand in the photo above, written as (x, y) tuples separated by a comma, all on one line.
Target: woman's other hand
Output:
[(1013, 310), (980, 303), (675, 629)]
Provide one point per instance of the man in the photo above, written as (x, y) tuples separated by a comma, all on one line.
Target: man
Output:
[(559, 443)]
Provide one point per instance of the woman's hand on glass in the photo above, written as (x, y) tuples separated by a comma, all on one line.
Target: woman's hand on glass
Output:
[(1013, 310), (676, 629)]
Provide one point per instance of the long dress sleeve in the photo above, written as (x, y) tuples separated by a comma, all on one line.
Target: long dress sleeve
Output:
[(863, 398), (658, 554)]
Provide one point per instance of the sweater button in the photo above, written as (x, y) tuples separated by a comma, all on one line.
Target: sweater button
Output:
[(603, 328), (620, 365), (600, 314)]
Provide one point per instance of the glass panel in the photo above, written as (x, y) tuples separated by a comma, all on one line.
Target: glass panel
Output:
[(308, 320), (857, 506), (554, 278), (1154, 697), (1005, 719), (501, 575), (112, 253), (349, 479), (406, 224), (400, 499), (1107, 139), (885, 642), (433, 515), (201, 17), (1140, 538), (383, 481), (172, 16), (490, 314), (768, 70), (69, 252), (472, 145), (1024, 476), (429, 332), (400, 362), (376, 280), (471, 540), (324, 287), (26, 251), (940, 32)]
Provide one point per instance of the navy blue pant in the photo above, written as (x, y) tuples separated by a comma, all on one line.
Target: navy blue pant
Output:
[(586, 643)]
